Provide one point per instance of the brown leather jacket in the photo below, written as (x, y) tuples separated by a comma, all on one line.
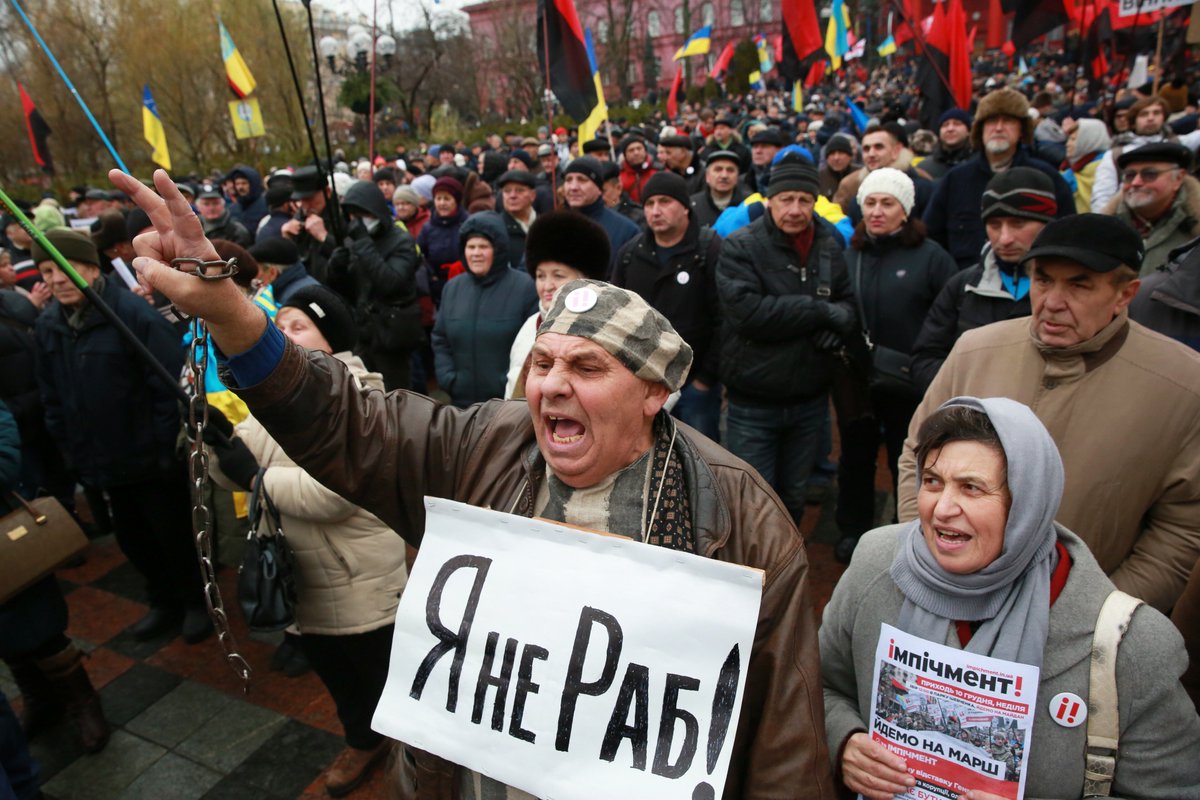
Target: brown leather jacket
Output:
[(386, 452)]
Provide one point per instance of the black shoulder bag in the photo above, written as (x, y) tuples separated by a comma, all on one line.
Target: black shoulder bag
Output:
[(890, 372), (266, 580)]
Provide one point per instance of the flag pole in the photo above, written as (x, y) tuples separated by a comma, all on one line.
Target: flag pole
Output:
[(338, 228), (1162, 23), (371, 116), (287, 49), (74, 92), (550, 102)]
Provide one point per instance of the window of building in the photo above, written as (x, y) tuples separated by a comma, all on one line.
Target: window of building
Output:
[(766, 10), (653, 25), (679, 19), (737, 12), (708, 14), (602, 30)]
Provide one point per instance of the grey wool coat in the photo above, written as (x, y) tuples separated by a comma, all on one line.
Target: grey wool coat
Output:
[(1159, 750)]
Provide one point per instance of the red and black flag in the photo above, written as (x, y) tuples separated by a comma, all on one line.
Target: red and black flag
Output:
[(1097, 27), (563, 52), (934, 69), (801, 38), (1032, 18), (38, 133)]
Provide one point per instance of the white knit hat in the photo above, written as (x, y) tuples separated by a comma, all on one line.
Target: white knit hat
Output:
[(888, 180)]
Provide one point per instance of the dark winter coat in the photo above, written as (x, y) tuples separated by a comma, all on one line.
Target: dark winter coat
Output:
[(271, 226), (293, 278), (516, 241), (953, 215), (479, 318), (250, 209), (705, 212), (941, 160), (377, 274), (771, 312), (227, 228), (18, 352), (438, 242), (113, 418), (684, 290), (971, 299), (1169, 299), (897, 285)]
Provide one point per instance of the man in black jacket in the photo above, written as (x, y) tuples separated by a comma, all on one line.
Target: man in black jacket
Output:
[(722, 188), (118, 424), (375, 270), (313, 226), (673, 265), (787, 307), (1015, 207)]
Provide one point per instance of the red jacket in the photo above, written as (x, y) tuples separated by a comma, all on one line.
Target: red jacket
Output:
[(634, 178)]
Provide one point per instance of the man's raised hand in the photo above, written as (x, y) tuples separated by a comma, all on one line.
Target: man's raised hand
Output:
[(234, 322)]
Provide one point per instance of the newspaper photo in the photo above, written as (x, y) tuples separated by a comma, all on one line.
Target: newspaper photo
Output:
[(961, 720)]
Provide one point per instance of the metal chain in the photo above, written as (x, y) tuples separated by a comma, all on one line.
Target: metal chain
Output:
[(198, 475)]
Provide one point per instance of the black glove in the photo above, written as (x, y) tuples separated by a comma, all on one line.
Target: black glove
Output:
[(339, 260), (838, 318), (216, 422), (827, 341), (357, 230), (237, 462)]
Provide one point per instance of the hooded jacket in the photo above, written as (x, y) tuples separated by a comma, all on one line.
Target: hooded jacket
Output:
[(251, 208), (1126, 396), (1178, 226), (1168, 300), (391, 450), (479, 318), (377, 272)]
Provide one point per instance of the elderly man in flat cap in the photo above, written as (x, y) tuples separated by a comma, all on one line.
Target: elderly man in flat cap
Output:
[(582, 450), (1158, 199)]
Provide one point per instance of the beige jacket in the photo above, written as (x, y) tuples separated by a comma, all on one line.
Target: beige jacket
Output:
[(1124, 409), (350, 566)]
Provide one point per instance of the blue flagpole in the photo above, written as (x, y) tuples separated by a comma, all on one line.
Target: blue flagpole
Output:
[(71, 86)]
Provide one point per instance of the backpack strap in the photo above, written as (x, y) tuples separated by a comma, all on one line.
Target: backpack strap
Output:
[(824, 272), (1103, 725)]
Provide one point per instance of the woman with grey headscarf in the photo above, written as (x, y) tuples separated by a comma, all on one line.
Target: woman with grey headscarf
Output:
[(986, 569), (1086, 145)]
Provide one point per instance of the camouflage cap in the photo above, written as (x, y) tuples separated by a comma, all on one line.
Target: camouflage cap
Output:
[(626, 326)]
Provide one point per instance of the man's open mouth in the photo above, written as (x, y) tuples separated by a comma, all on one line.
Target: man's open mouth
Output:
[(564, 430)]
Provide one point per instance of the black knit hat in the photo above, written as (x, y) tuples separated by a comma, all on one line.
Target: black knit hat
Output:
[(276, 250), (73, 245), (839, 144), (522, 156), (669, 184), (570, 238), (1020, 192), (1097, 241), (329, 313), (793, 174), (588, 167)]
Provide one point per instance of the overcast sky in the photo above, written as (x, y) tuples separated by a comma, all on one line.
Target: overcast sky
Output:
[(407, 12)]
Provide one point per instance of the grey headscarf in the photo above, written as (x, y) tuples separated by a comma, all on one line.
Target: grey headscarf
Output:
[(1010, 596)]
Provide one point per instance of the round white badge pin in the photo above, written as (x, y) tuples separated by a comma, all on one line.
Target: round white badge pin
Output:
[(1068, 709), (582, 299), (682, 278)]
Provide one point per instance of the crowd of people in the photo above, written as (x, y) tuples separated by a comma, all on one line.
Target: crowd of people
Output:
[(757, 278)]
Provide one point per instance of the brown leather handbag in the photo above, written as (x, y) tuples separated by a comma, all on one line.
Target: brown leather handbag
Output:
[(35, 539)]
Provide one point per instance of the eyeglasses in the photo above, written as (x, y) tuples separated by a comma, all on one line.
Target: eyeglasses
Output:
[(1149, 175)]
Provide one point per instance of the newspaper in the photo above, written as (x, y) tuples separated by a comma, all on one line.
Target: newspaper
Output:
[(962, 721)]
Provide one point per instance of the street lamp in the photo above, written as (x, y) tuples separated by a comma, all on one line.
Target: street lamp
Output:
[(357, 48)]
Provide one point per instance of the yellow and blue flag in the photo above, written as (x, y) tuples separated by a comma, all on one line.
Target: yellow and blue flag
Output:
[(837, 42), (858, 116), (238, 74), (756, 81), (887, 47), (798, 97), (152, 130), (765, 61), (697, 44), (590, 127)]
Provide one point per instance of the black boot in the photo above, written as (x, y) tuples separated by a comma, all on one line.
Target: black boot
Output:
[(42, 710), (65, 673)]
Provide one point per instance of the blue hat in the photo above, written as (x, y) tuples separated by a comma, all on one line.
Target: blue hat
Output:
[(955, 113)]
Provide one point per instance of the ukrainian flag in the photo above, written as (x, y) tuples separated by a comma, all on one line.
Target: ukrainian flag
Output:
[(152, 130), (240, 80), (756, 81), (798, 97), (765, 61), (837, 43), (887, 46), (590, 127), (697, 45)]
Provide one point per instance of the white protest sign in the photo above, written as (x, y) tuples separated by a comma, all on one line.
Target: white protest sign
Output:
[(1129, 8), (568, 664), (962, 721)]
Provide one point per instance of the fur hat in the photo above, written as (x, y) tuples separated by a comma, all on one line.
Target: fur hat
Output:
[(1002, 103), (887, 180), (570, 238)]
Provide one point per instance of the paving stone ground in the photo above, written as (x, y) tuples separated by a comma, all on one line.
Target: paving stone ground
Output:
[(184, 730)]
